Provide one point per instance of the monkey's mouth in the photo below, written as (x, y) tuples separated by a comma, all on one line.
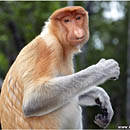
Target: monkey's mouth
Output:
[(81, 38), (77, 41)]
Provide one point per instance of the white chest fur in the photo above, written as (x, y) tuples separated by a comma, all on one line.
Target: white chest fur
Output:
[(71, 116)]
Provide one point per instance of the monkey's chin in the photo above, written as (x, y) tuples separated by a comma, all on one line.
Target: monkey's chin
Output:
[(78, 42)]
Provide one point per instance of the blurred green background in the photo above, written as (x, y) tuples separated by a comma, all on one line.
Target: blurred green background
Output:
[(109, 24)]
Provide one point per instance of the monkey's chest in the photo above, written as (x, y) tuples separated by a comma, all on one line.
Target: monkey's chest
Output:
[(71, 116)]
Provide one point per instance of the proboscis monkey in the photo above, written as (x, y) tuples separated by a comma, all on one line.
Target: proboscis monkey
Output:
[(41, 90)]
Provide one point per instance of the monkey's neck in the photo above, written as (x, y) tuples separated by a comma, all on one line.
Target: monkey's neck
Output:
[(62, 56)]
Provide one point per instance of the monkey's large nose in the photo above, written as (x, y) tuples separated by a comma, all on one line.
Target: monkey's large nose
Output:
[(79, 34)]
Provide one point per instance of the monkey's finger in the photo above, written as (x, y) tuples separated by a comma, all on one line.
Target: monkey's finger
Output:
[(101, 121), (114, 78), (102, 60), (97, 100)]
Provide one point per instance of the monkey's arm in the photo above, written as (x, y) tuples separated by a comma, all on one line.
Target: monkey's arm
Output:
[(47, 97), (98, 96)]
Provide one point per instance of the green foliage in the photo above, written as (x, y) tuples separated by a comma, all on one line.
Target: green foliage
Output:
[(3, 65)]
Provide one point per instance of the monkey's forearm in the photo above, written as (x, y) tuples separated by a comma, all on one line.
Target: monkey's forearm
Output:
[(57, 92), (89, 97)]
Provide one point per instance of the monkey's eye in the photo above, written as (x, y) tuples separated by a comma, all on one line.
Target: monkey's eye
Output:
[(66, 20), (78, 18)]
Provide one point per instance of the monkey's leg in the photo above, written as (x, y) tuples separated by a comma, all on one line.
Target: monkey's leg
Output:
[(98, 96)]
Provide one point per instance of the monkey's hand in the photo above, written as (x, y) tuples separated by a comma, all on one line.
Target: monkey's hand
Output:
[(97, 74), (98, 96), (104, 119), (108, 69)]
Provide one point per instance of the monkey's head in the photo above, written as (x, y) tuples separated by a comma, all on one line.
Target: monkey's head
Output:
[(70, 25)]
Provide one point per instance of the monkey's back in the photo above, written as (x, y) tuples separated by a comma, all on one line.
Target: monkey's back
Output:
[(11, 98), (11, 102), (11, 109)]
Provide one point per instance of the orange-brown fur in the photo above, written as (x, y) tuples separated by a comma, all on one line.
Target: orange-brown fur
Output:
[(35, 62), (41, 59)]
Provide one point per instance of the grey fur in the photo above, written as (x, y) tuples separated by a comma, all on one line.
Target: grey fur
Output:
[(61, 91)]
